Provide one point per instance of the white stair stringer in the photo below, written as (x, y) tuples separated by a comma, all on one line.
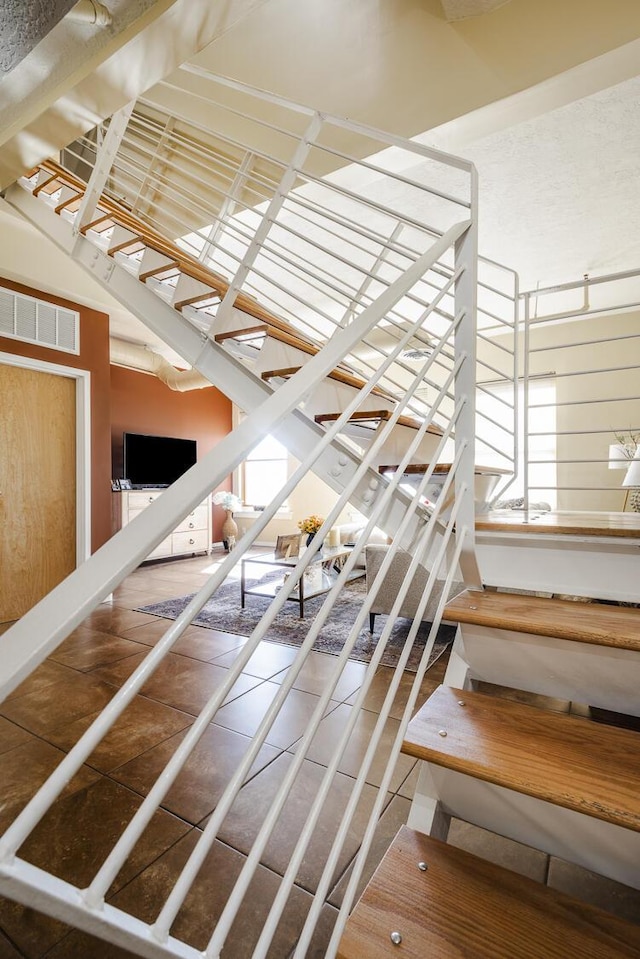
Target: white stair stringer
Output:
[(296, 431)]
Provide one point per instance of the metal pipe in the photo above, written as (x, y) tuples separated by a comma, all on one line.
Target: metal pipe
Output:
[(90, 11)]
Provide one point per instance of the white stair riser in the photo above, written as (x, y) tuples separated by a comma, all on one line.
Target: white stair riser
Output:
[(600, 846), (152, 259), (187, 287), (598, 568), (395, 447), (603, 676), (121, 235)]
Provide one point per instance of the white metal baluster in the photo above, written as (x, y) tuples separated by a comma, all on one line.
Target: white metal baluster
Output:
[(192, 867), (316, 808), (119, 853), (226, 919), (465, 344), (367, 839), (105, 156), (286, 184)]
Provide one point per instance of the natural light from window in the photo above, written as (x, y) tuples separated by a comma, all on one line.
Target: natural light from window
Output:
[(264, 472)]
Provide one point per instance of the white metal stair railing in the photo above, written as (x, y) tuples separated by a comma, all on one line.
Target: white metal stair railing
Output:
[(177, 327), (295, 430), (30, 640), (314, 249)]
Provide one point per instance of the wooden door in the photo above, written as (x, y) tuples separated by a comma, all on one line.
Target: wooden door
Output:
[(37, 486)]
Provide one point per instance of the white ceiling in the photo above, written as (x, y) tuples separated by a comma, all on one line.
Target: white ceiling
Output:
[(558, 193), (462, 9)]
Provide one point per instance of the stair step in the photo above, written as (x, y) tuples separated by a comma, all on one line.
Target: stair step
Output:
[(596, 623), (190, 291), (442, 468), (66, 195), (561, 523), (461, 905), (564, 760), (46, 182), (340, 376), (167, 267), (101, 220), (375, 416), (245, 335)]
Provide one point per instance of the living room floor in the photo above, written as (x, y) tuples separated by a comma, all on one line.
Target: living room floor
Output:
[(46, 715)]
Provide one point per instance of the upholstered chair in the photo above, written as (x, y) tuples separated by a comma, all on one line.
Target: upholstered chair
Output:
[(388, 591)]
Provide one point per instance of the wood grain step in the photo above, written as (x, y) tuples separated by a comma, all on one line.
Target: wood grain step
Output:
[(561, 523), (462, 906), (362, 417), (419, 469), (596, 623), (340, 376), (565, 760)]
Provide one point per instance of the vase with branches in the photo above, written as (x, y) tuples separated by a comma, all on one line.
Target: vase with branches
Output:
[(230, 503)]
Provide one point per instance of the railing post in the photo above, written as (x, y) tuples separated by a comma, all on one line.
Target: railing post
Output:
[(525, 404), (105, 156), (466, 292)]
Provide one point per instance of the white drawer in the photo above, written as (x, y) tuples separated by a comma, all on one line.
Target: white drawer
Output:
[(162, 549), (190, 542), (195, 520), (138, 499)]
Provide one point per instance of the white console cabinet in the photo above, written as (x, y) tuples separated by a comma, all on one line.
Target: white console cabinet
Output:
[(193, 535)]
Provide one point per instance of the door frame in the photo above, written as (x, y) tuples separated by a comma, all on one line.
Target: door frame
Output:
[(83, 441)]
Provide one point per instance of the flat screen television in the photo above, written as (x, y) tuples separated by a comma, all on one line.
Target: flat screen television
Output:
[(156, 461)]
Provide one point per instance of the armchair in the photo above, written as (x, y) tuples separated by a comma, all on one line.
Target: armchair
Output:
[(388, 591)]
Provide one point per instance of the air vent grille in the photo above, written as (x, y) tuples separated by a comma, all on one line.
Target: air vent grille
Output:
[(35, 321)]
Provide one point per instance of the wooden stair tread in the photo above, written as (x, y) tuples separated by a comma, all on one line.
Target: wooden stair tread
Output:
[(440, 468), (371, 416), (463, 906), (597, 623), (561, 522), (290, 336), (340, 376), (569, 761)]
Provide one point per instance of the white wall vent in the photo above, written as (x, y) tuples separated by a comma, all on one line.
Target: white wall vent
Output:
[(35, 321)]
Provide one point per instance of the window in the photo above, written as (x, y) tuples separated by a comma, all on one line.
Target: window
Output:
[(264, 472)]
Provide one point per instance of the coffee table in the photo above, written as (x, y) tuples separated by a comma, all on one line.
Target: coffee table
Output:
[(325, 569)]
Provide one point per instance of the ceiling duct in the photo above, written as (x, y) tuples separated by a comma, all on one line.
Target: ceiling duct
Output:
[(144, 360)]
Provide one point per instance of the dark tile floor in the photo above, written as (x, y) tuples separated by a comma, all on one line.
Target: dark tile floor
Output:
[(42, 719)]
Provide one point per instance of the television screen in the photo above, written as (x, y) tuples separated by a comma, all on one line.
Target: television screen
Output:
[(155, 461)]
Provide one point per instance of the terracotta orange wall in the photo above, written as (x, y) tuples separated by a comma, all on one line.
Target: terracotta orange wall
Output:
[(141, 403), (94, 357)]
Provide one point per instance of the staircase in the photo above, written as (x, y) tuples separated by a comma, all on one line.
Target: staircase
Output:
[(558, 782), (325, 359)]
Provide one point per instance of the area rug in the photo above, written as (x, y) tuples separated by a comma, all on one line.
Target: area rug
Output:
[(223, 612)]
